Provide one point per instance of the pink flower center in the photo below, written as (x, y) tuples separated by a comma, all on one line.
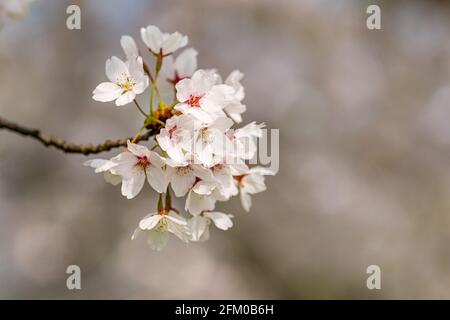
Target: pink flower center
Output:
[(143, 162), (194, 101)]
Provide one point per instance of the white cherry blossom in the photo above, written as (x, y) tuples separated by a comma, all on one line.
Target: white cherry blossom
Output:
[(251, 183), (126, 81), (183, 176), (226, 187), (208, 145), (198, 153), (162, 43), (157, 227), (201, 97), (137, 164), (183, 66), (244, 140), (176, 136)]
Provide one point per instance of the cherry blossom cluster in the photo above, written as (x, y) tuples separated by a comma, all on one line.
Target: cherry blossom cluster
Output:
[(196, 153)]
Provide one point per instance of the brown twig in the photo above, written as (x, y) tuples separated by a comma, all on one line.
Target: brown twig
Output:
[(68, 147)]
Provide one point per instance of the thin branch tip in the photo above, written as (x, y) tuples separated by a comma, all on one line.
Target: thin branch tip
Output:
[(69, 147)]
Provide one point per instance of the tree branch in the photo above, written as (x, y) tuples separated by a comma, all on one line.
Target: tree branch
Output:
[(68, 147)]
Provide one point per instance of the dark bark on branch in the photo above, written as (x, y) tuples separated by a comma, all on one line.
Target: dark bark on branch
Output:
[(68, 147)]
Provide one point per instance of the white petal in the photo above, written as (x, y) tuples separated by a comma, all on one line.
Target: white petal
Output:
[(172, 164), (176, 218), (198, 113), (129, 47), (234, 80), (125, 98), (137, 69), (182, 183), (197, 226), (186, 63), (156, 159), (115, 69), (157, 178), (262, 171), (176, 153), (222, 124), (150, 221), (213, 74), (204, 153), (140, 87), (182, 107), (137, 149), (163, 139), (126, 164), (202, 172), (203, 115), (217, 98), (235, 116), (131, 186), (221, 195), (100, 165), (202, 82), (221, 220), (196, 203), (157, 240), (152, 37), (204, 187), (112, 178), (250, 130), (184, 89), (246, 200), (234, 110), (136, 233), (179, 230), (205, 235), (238, 168), (253, 183), (173, 42), (106, 91)]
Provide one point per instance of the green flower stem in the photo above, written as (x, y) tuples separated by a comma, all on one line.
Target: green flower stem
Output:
[(154, 89), (168, 199), (138, 133), (140, 109), (151, 97), (160, 204), (151, 119)]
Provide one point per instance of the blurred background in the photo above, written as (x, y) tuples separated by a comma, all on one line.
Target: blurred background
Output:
[(364, 164)]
